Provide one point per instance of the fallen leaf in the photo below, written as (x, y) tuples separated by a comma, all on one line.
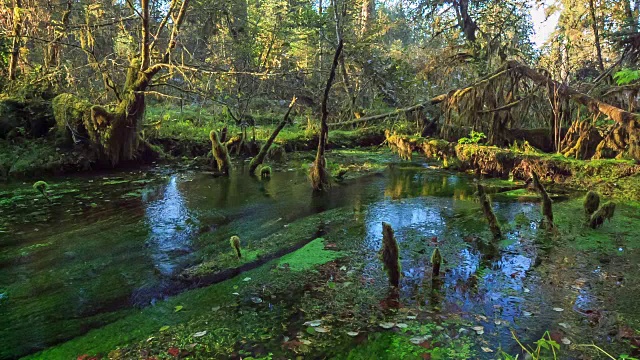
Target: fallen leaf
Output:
[(200, 333), (173, 351), (558, 309), (313, 323), (352, 333), (402, 325), (256, 300), (411, 317), (566, 341), (386, 325), (564, 325), (321, 329), (486, 349)]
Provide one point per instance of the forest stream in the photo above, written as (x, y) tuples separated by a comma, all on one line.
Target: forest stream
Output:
[(112, 246)]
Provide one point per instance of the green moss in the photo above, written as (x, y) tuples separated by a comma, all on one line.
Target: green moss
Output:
[(310, 255)]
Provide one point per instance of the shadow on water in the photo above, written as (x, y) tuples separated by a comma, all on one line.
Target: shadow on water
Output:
[(76, 267)]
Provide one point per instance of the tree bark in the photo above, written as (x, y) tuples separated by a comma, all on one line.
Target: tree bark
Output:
[(17, 33), (596, 34)]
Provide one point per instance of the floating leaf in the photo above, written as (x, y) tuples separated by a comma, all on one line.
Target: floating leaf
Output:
[(200, 333), (164, 328), (486, 349), (256, 300), (564, 325), (526, 313), (411, 317), (386, 325), (178, 308), (478, 329), (313, 323), (321, 329), (311, 330), (558, 309), (526, 290), (246, 279), (565, 341), (402, 325), (352, 333)]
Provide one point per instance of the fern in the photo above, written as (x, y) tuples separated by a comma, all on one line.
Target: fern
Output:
[(626, 76)]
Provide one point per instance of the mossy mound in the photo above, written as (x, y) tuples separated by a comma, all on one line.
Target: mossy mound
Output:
[(71, 114)]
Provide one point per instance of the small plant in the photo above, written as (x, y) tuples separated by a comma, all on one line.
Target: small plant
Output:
[(544, 348), (42, 186), (626, 76), (474, 138)]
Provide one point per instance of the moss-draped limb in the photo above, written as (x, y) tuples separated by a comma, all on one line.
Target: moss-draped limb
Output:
[(256, 161)]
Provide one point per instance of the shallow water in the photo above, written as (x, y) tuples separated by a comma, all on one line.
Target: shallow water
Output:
[(110, 244)]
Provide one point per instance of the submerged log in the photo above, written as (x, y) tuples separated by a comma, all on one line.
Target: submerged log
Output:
[(547, 210), (488, 213), (390, 254)]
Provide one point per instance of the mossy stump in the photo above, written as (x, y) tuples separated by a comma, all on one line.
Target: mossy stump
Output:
[(436, 263), (488, 212), (235, 244), (591, 203), (604, 213), (220, 153), (389, 255)]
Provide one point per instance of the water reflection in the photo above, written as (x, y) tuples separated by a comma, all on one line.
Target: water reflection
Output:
[(170, 228)]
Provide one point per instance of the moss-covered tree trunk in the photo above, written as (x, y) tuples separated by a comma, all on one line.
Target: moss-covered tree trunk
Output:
[(115, 133), (318, 174)]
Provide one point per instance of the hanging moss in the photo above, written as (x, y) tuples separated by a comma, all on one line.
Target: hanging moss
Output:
[(591, 202), (604, 213), (235, 244), (488, 212), (220, 153), (390, 255), (436, 262)]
